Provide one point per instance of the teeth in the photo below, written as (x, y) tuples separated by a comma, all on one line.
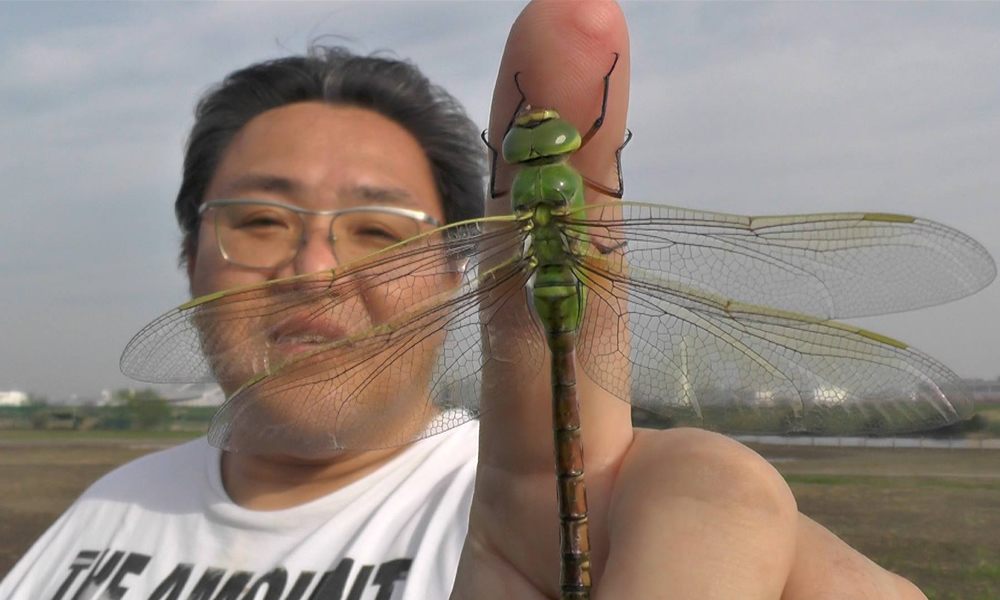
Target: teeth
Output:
[(304, 339)]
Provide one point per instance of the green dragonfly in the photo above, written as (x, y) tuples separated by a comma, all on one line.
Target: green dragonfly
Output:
[(711, 319)]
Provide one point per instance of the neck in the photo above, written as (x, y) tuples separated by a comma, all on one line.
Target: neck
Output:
[(277, 482)]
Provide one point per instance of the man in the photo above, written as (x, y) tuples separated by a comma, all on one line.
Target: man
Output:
[(676, 514)]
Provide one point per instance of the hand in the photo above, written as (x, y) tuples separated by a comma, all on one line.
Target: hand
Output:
[(673, 514)]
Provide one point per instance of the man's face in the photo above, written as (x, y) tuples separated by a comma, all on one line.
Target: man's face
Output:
[(318, 157)]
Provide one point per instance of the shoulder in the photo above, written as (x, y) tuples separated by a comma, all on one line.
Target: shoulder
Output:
[(424, 494), (132, 504), (164, 475), (457, 456), (456, 448), (437, 466)]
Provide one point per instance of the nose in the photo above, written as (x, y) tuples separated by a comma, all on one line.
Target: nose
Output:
[(316, 254)]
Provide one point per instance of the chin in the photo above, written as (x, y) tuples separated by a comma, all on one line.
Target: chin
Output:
[(312, 420), (320, 400)]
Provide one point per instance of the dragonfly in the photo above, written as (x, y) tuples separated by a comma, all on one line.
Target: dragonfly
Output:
[(709, 319)]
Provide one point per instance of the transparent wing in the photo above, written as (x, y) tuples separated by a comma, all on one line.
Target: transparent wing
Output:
[(377, 354), (419, 375), (233, 336), (825, 265), (711, 362)]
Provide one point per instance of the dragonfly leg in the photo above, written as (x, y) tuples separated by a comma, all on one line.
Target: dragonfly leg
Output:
[(604, 104), (493, 168), (493, 151), (600, 187), (520, 103)]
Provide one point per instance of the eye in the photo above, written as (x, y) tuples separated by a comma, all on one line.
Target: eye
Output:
[(372, 232), (262, 221)]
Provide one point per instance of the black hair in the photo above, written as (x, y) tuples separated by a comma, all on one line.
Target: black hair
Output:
[(395, 89)]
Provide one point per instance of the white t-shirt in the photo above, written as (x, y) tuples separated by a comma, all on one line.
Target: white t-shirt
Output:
[(163, 528)]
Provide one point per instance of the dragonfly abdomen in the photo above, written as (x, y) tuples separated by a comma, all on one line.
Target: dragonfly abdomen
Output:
[(559, 301), (547, 187), (571, 489)]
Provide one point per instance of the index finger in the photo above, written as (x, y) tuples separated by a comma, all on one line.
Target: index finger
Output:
[(563, 52)]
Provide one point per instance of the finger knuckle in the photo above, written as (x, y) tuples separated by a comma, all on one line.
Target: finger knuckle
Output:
[(714, 469)]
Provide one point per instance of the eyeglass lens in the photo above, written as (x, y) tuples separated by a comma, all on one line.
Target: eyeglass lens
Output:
[(263, 236)]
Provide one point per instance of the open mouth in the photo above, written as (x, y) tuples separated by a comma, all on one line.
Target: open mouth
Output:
[(296, 336)]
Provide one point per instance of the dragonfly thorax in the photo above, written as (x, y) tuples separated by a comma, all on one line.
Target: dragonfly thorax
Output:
[(556, 186)]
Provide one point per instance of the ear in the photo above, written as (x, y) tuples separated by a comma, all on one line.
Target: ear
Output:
[(190, 257)]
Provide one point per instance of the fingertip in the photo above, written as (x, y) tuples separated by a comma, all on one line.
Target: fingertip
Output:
[(563, 51), (598, 25)]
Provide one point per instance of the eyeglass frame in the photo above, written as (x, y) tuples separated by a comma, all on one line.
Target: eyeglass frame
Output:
[(417, 215)]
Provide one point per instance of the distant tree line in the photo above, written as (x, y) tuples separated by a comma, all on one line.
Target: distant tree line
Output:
[(985, 423), (132, 409), (142, 410)]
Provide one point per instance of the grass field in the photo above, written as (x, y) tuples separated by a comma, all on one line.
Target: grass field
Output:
[(930, 515), (991, 413)]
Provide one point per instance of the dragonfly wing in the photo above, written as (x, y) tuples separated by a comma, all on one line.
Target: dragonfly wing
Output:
[(416, 375), (231, 336), (710, 362), (826, 265), (502, 338), (168, 350)]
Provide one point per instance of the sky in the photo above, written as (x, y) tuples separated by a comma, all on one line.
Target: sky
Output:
[(747, 108)]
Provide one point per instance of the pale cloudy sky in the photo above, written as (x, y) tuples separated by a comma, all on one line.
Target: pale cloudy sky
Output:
[(748, 108)]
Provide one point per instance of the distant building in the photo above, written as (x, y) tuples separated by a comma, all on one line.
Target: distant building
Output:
[(984, 391), (194, 395), (78, 400), (13, 398)]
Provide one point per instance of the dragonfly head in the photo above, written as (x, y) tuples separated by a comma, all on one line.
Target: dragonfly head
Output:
[(539, 134), (530, 116)]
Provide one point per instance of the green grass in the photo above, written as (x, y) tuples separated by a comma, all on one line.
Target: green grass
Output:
[(986, 409), (928, 515), (985, 570), (992, 414), (892, 482), (984, 575), (989, 594)]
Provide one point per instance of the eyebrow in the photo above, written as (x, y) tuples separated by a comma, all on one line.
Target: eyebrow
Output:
[(368, 194), (264, 183), (351, 194)]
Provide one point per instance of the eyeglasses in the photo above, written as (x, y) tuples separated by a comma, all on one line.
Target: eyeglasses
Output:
[(260, 234)]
